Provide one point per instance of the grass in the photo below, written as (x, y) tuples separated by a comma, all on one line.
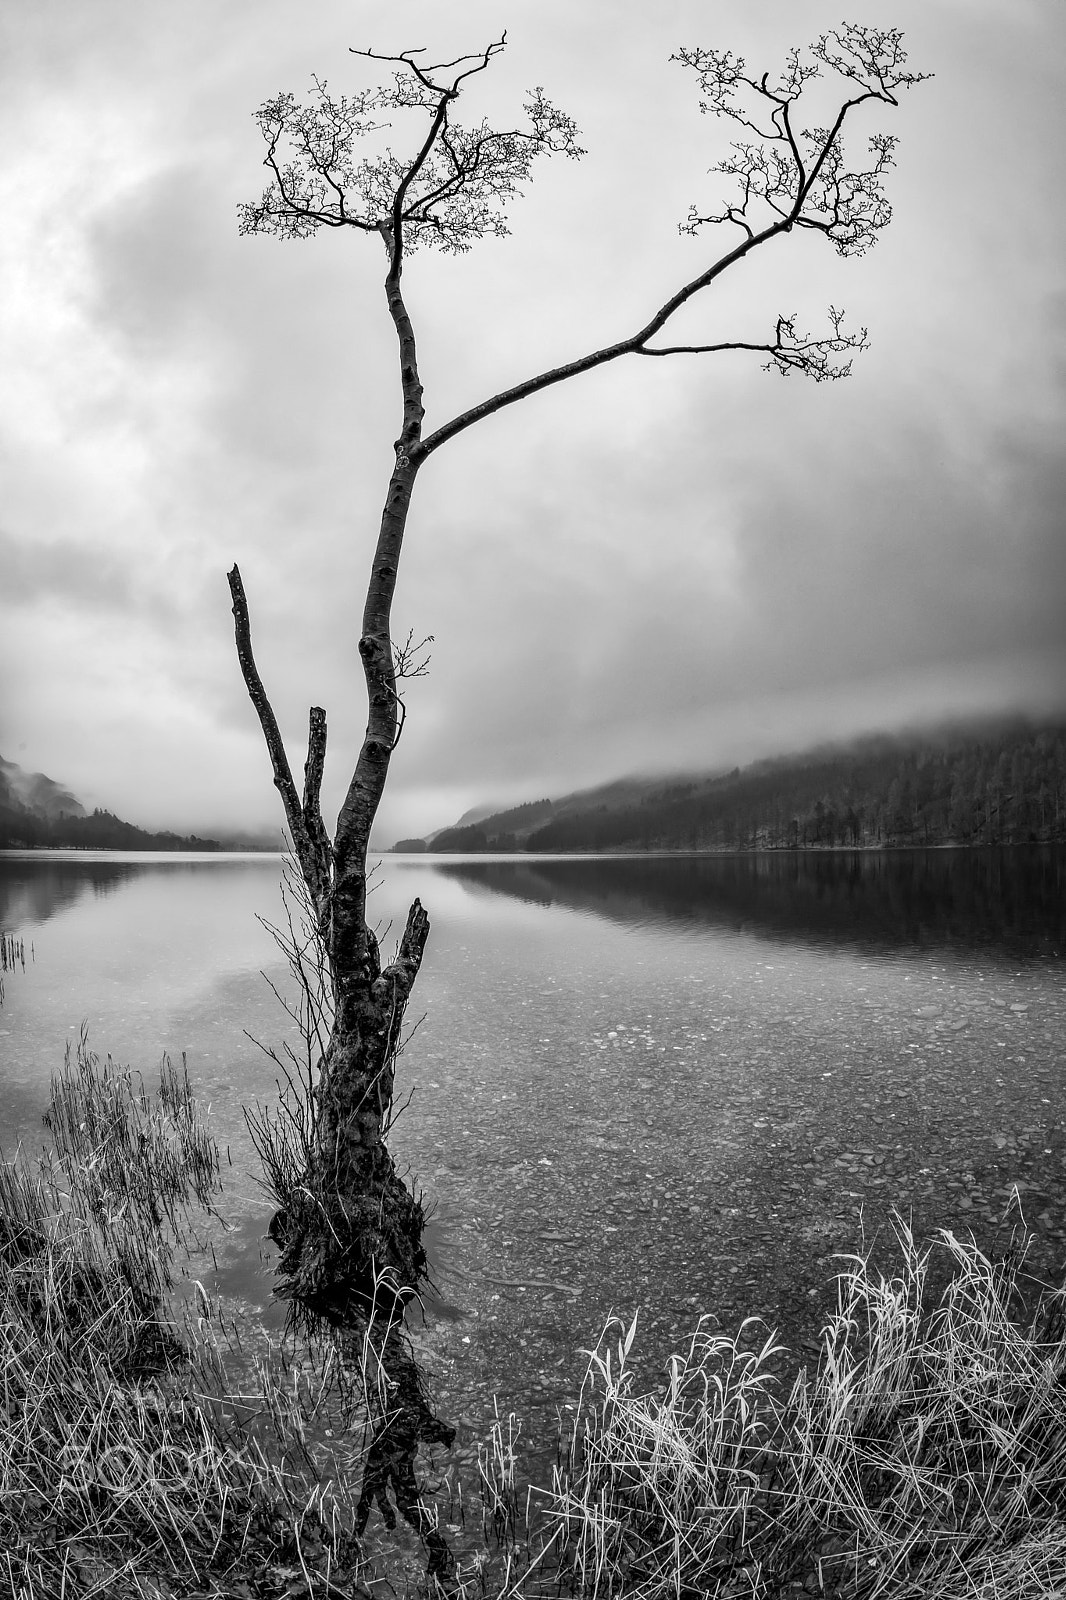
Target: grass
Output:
[(12, 955), (922, 1454), (925, 1454), (131, 1462)]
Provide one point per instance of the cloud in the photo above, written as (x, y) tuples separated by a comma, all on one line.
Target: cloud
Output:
[(156, 251), (62, 571), (658, 563)]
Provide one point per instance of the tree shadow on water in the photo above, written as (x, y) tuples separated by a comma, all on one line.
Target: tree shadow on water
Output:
[(404, 1420), (387, 1389)]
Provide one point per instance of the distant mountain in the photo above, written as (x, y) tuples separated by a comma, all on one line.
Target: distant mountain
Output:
[(482, 829), (32, 791), (508, 829), (988, 784), (475, 814), (36, 813)]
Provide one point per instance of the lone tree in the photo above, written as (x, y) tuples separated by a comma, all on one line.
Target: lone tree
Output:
[(349, 1228)]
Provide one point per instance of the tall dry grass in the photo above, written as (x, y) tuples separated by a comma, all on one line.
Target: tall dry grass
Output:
[(131, 1461), (925, 1454)]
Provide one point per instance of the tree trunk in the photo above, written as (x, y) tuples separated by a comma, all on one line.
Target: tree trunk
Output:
[(355, 1244), (350, 1231)]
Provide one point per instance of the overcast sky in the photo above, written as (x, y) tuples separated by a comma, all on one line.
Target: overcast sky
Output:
[(663, 565)]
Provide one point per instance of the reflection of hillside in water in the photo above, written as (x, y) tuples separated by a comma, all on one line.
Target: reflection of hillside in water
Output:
[(34, 889), (39, 885), (1012, 900)]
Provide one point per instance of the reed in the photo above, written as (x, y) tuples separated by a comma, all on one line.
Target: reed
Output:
[(924, 1455), (283, 1132), (12, 955), (13, 952), (132, 1460)]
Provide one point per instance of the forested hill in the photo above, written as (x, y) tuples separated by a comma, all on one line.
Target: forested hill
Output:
[(36, 813), (991, 786), (21, 830)]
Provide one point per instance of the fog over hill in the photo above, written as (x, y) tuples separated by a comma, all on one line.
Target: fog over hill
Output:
[(34, 792), (37, 813), (1002, 783), (982, 784)]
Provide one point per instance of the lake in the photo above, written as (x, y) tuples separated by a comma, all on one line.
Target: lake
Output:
[(678, 1083)]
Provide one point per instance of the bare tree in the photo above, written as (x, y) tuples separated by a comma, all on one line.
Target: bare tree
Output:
[(350, 1227)]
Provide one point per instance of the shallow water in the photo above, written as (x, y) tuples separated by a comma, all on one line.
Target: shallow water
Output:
[(681, 1085)]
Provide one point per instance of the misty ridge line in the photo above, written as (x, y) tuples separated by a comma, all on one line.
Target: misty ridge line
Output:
[(37, 813), (986, 785)]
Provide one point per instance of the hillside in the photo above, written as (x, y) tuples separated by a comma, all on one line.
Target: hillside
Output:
[(33, 792), (36, 813), (987, 785)]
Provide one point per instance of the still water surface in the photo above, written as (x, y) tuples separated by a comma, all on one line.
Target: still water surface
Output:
[(677, 1083)]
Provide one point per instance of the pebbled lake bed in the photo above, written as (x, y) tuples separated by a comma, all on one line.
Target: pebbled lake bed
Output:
[(679, 1084)]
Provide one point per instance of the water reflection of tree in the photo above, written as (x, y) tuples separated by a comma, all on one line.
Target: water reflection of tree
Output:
[(383, 1395), (403, 1419)]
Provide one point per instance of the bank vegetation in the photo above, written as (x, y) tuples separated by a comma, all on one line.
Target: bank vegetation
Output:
[(146, 1450)]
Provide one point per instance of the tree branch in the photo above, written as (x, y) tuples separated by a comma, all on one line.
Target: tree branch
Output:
[(265, 711), (401, 973), (596, 358), (789, 351), (309, 837), (789, 184), (318, 838), (316, 759)]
